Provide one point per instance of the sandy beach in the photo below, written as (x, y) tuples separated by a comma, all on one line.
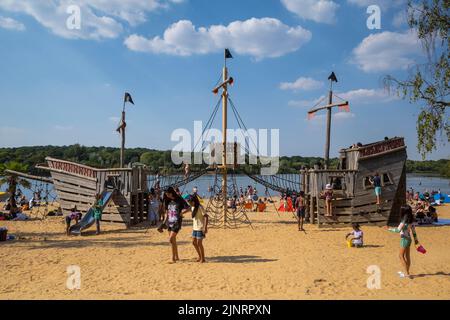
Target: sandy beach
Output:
[(271, 261)]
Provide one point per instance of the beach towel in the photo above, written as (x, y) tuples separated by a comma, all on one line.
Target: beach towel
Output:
[(441, 222)]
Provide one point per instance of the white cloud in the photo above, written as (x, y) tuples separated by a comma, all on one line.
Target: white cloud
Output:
[(59, 127), (11, 24), (400, 19), (100, 19), (386, 51), (302, 83), (259, 38), (357, 96), (316, 10), (306, 103), (366, 96), (337, 116), (385, 4), (10, 131)]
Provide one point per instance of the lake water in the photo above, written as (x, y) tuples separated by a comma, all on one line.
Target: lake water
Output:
[(417, 182)]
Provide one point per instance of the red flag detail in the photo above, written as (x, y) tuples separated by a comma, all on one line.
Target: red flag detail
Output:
[(345, 108), (311, 115)]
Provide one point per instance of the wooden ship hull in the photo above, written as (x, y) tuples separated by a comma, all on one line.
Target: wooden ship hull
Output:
[(77, 185), (354, 196)]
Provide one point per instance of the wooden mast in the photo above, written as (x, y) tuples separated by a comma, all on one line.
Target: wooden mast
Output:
[(122, 148), (328, 138), (224, 139), (329, 108)]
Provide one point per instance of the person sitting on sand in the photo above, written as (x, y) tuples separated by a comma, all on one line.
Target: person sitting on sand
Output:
[(407, 234), (98, 210), (357, 235), (199, 226), (174, 206), (73, 215)]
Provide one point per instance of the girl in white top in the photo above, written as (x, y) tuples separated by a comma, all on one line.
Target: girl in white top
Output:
[(358, 236)]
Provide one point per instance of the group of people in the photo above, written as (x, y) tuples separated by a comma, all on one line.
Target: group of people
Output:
[(408, 237), (167, 213), (174, 207), (435, 196), (22, 204), (423, 206)]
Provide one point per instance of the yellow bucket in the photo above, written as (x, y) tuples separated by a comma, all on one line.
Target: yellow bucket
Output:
[(349, 243)]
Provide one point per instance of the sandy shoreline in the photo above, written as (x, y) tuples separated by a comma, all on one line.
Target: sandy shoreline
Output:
[(271, 261)]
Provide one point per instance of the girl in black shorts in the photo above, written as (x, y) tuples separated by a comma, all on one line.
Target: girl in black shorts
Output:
[(174, 206)]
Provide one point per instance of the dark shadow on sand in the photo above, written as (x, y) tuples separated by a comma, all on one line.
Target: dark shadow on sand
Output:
[(423, 275), (239, 259), (371, 246)]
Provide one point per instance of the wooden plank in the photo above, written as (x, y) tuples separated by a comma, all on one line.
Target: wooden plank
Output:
[(69, 188), (75, 198), (77, 181)]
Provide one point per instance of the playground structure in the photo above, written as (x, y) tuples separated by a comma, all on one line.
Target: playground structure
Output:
[(77, 185), (354, 198)]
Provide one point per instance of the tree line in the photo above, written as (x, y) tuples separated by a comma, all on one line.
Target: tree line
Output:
[(161, 161)]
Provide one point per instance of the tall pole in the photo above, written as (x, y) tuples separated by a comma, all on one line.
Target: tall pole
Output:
[(224, 139), (122, 149), (328, 137)]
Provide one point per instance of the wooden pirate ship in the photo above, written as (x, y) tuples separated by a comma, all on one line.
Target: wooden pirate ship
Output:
[(77, 185), (354, 196)]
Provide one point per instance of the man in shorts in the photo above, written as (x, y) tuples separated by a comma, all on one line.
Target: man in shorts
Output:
[(300, 206)]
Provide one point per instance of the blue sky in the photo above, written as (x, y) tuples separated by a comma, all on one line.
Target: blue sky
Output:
[(62, 86)]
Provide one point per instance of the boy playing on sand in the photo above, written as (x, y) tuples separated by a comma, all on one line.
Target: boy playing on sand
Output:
[(73, 215), (357, 239), (199, 226)]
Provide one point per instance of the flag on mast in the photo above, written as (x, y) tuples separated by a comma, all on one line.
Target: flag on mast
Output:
[(128, 98), (332, 77), (344, 107), (228, 54), (311, 115)]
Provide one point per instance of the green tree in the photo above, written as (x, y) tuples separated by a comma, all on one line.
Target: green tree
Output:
[(428, 83)]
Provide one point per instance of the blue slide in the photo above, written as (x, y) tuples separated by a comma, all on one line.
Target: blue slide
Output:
[(88, 219)]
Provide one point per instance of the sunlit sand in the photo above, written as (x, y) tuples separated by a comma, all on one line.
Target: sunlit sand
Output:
[(271, 261)]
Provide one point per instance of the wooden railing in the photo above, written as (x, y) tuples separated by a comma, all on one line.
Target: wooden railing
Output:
[(381, 147)]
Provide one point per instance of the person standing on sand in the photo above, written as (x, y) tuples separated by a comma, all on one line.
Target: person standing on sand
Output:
[(328, 195), (407, 234), (153, 207), (199, 226), (98, 208), (300, 206), (174, 206)]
